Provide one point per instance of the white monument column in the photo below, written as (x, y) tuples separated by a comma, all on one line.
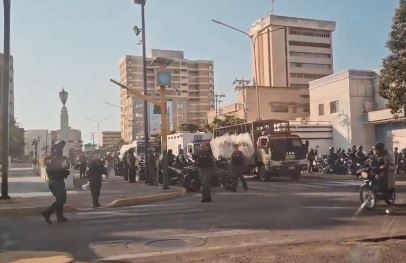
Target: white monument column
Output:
[(65, 131), (63, 95)]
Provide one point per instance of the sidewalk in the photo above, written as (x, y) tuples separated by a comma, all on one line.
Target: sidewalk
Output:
[(30, 194)]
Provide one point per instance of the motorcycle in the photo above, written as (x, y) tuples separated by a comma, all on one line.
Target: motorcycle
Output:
[(191, 178), (227, 178), (371, 191)]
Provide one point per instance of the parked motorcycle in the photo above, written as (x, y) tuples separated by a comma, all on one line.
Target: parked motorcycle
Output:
[(191, 178), (371, 191)]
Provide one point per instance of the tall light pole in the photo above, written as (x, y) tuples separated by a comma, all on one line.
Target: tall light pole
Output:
[(98, 127), (4, 101), (144, 61), (253, 40), (241, 85), (217, 101)]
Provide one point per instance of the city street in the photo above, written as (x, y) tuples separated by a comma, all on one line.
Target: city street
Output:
[(318, 218)]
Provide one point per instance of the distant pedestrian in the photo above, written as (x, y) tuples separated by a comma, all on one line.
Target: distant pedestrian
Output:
[(152, 166), (109, 164), (132, 168), (396, 155), (95, 177), (117, 164), (125, 166), (311, 157), (57, 168), (82, 165), (238, 165), (205, 164)]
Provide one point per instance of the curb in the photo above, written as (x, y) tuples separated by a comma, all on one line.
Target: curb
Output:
[(36, 257), (121, 202)]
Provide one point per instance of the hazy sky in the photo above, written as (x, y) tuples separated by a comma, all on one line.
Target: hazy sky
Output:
[(77, 44)]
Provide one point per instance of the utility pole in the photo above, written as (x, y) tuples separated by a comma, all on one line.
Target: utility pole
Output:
[(217, 101), (242, 85), (144, 61), (4, 101)]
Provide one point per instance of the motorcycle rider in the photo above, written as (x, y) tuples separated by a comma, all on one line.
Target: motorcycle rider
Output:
[(57, 167), (360, 155), (171, 157), (380, 165), (181, 159)]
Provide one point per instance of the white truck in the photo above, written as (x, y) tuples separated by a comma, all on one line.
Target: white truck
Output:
[(188, 141)]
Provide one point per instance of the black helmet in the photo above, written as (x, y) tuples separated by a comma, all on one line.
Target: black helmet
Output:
[(331, 148), (380, 147), (396, 148), (57, 147), (360, 148)]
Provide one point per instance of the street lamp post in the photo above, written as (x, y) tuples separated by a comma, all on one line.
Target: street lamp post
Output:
[(4, 101), (253, 40), (98, 127), (144, 61)]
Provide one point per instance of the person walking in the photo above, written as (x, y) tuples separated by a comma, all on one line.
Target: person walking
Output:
[(82, 165), (310, 158), (152, 166), (57, 168), (238, 166), (95, 177), (132, 168), (396, 155), (205, 164), (125, 166)]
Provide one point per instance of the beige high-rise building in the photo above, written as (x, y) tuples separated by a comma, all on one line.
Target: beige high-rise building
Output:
[(189, 97), (292, 51)]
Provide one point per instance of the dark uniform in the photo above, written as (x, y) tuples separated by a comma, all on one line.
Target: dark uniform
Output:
[(396, 154), (205, 164), (132, 168), (125, 166), (380, 165), (57, 167), (152, 167), (94, 175), (83, 164), (237, 167), (310, 158)]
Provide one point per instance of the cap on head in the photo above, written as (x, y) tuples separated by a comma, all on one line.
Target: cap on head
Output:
[(380, 147)]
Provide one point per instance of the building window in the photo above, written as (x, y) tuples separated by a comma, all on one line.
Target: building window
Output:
[(279, 108), (139, 114), (306, 108), (307, 76), (299, 85), (294, 109), (334, 106), (309, 65), (321, 109), (322, 34), (309, 55), (309, 44)]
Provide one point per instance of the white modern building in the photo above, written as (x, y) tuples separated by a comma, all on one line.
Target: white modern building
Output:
[(350, 101)]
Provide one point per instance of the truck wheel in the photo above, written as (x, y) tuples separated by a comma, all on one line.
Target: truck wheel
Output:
[(296, 176), (263, 174)]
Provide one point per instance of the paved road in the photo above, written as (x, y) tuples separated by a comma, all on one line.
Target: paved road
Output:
[(272, 213)]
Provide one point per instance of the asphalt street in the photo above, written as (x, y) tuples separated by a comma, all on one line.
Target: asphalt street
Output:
[(279, 212)]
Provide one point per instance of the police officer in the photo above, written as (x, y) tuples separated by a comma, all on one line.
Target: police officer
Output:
[(381, 168), (237, 165), (132, 168), (205, 164), (171, 158), (181, 160), (396, 155), (152, 166), (57, 168), (82, 166), (94, 175)]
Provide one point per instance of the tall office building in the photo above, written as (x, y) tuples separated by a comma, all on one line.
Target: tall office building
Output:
[(189, 97), (292, 51)]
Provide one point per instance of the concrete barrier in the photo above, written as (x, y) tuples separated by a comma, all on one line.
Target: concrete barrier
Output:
[(36, 257)]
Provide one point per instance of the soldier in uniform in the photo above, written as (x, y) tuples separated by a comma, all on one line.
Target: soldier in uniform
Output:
[(205, 164), (57, 167), (381, 168), (94, 175), (238, 165)]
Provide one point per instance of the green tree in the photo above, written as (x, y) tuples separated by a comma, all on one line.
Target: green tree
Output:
[(393, 74), (227, 121)]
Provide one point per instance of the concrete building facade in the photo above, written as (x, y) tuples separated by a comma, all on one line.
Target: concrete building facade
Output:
[(190, 95), (111, 138), (350, 101), (292, 51)]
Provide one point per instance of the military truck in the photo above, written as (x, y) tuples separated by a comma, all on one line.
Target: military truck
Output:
[(278, 152)]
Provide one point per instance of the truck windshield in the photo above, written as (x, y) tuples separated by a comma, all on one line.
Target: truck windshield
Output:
[(280, 146)]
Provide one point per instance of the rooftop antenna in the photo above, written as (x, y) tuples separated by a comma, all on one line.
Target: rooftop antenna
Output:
[(273, 7)]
